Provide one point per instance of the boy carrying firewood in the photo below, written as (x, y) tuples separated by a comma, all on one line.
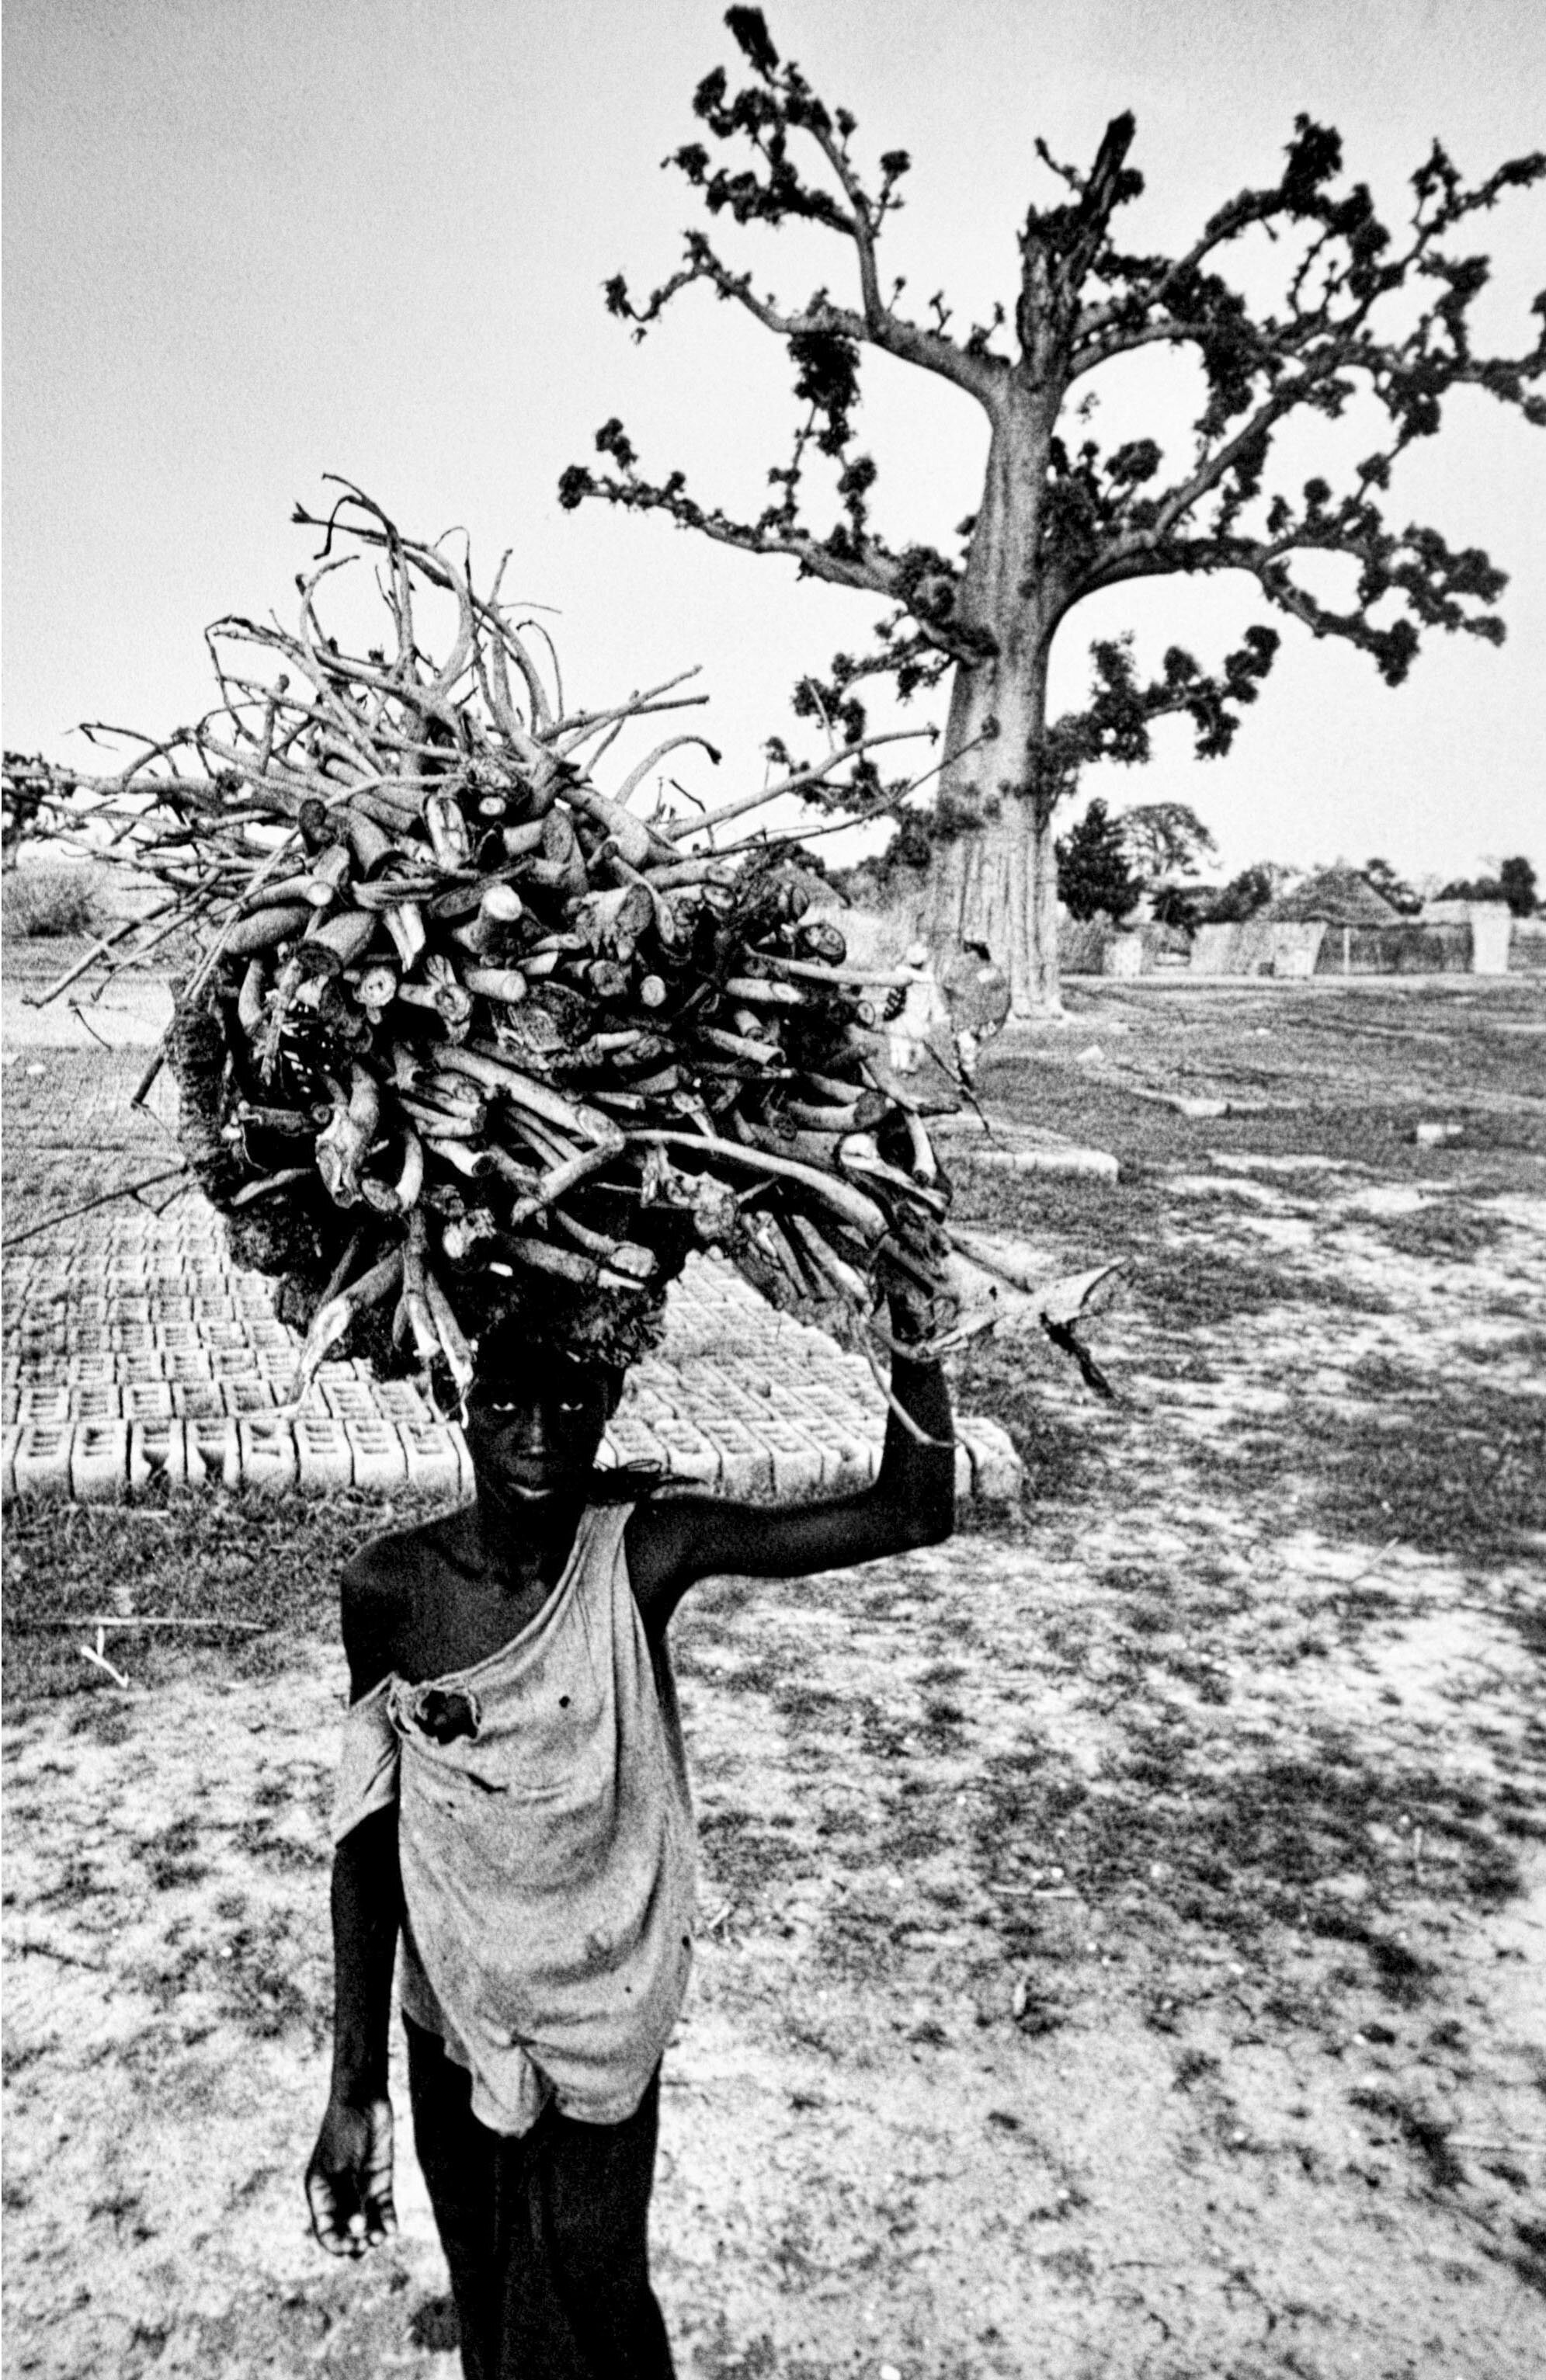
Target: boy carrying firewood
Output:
[(514, 1808)]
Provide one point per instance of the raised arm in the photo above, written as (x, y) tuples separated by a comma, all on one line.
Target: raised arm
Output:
[(911, 1503)]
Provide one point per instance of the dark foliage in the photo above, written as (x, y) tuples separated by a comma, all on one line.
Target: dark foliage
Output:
[(1515, 882), (1392, 887), (1241, 897), (1093, 876), (1165, 839)]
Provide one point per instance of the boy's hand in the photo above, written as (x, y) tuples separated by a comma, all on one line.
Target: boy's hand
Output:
[(348, 2181)]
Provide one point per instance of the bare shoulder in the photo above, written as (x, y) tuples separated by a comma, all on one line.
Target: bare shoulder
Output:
[(380, 1593), (660, 1533)]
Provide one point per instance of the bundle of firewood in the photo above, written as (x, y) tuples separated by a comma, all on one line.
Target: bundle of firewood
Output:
[(473, 1039)]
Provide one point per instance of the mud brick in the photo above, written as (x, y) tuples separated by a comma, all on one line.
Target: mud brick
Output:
[(746, 1472), (632, 1441), (798, 1471), (249, 1396), (213, 1451), (349, 1398), (81, 1305), (775, 1428), (379, 1461), (144, 1364), (221, 1333), (433, 1457), (42, 1400), (400, 1400), (690, 1455), (83, 1368), (46, 1339), (147, 1400), (204, 1303), (9, 1441), (856, 1468), (158, 1448), (323, 1457), (267, 1455), (997, 1472), (103, 1402), (199, 1400), (10, 1405), (187, 1363), (742, 1453), (99, 1463), (848, 1457)]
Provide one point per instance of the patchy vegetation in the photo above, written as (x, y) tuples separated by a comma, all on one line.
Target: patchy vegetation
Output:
[(1121, 1928)]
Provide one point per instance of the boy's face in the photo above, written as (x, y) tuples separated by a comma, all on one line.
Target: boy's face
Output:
[(533, 1439)]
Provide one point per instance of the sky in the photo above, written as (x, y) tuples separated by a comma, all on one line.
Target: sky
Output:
[(248, 242)]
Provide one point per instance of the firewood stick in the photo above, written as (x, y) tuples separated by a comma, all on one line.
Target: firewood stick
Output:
[(582, 1272), (559, 1182), (762, 991), (98, 950), (481, 1064), (817, 971), (677, 829), (859, 1212)]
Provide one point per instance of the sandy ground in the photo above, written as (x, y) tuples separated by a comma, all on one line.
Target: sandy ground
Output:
[(1200, 2149), (1124, 1945)]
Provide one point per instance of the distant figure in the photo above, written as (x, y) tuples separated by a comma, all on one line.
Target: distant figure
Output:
[(977, 993), (914, 1010)]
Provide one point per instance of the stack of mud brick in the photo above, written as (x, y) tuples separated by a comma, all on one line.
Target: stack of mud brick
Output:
[(136, 1352)]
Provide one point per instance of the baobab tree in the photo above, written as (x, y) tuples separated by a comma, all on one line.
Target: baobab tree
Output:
[(1370, 318)]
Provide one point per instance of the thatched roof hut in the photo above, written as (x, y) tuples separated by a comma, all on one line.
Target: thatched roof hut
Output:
[(1332, 896)]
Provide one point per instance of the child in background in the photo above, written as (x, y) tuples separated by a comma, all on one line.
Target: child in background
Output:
[(977, 994), (915, 1011)]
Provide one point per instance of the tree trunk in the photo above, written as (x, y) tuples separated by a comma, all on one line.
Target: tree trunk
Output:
[(994, 880)]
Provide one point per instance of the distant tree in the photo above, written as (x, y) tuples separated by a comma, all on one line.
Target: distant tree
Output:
[(1515, 882), (1185, 906), (28, 806), (1165, 839), (1093, 876), (1244, 896), (1366, 317), (1392, 887)]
